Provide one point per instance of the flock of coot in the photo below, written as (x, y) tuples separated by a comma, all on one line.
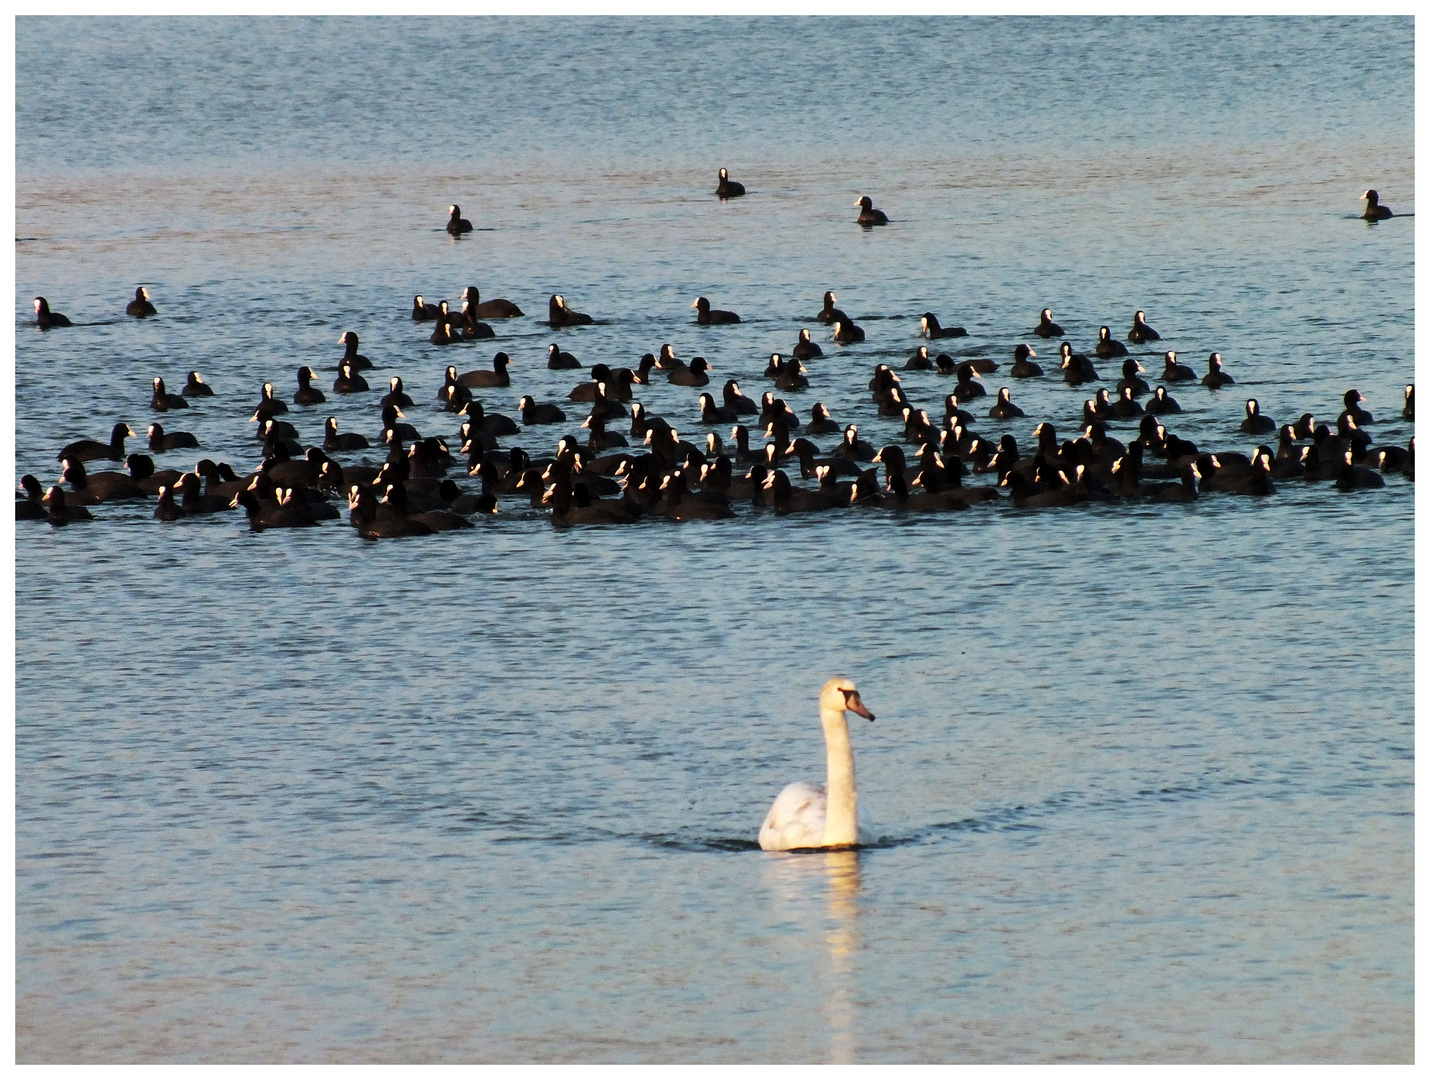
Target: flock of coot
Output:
[(631, 464)]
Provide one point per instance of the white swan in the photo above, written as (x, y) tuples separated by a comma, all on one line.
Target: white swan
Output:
[(814, 816)]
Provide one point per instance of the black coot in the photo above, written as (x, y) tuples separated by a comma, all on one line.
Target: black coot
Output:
[(829, 313), (1373, 210), (45, 318), (727, 188), (556, 360), (1216, 378), (307, 394), (868, 216), (351, 356), (196, 387), (1107, 347), (457, 224), (488, 309), (161, 441), (94, 450), (163, 401), (1046, 328), (558, 314), (1141, 333), (140, 307), (805, 349), (498, 376), (931, 329), (1023, 368), (705, 315)]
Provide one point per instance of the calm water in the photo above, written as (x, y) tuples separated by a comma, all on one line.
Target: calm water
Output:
[(1145, 772)]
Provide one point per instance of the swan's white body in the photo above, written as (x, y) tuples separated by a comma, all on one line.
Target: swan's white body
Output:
[(797, 820), (820, 816)]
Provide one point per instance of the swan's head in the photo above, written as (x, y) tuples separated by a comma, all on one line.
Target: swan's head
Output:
[(841, 695)]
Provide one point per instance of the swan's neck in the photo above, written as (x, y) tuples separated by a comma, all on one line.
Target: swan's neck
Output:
[(841, 820)]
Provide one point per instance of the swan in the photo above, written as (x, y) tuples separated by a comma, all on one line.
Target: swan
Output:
[(823, 816)]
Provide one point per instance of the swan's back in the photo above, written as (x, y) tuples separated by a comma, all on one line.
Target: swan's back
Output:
[(796, 820)]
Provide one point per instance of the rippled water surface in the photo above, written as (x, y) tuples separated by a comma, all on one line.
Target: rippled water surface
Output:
[(1144, 772)]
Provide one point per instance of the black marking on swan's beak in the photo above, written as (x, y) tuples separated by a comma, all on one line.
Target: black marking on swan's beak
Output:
[(855, 705)]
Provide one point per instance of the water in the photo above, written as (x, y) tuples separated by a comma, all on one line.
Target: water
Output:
[(1145, 772)]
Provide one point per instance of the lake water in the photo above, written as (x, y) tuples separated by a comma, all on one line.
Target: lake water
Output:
[(1144, 772)]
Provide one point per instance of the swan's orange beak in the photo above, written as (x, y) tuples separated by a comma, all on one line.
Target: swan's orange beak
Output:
[(853, 703)]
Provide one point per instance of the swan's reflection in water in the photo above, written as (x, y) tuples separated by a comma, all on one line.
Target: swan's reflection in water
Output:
[(801, 881), (842, 936)]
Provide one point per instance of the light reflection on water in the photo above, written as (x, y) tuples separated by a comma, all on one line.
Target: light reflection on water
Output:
[(1146, 770)]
